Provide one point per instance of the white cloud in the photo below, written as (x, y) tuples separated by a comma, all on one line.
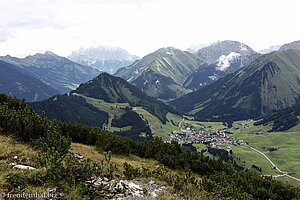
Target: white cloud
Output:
[(142, 26), (3, 36)]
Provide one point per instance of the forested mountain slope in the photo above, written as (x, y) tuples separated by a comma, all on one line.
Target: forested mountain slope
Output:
[(110, 103), (269, 83), (17, 82)]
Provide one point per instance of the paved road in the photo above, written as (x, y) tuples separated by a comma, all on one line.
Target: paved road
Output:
[(273, 165), (283, 172)]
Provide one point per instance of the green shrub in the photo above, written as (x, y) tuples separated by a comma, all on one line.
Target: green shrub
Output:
[(17, 180)]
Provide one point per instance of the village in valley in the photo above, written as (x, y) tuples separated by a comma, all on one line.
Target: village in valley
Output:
[(214, 137)]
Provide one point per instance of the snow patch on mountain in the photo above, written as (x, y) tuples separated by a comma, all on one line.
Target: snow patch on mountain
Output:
[(213, 77), (225, 61), (243, 47)]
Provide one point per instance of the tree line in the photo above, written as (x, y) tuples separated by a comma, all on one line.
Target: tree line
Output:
[(284, 119)]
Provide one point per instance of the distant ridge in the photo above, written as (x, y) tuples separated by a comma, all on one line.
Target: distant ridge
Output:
[(56, 71), (292, 45), (270, 49), (103, 58), (17, 82), (195, 48)]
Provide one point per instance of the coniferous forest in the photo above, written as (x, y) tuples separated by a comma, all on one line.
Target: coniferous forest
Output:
[(284, 119)]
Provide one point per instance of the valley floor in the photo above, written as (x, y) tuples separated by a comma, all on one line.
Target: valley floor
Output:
[(275, 153)]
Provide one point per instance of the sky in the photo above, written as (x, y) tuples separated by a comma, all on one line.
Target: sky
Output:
[(28, 27)]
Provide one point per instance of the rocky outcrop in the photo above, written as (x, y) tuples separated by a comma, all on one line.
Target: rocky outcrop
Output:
[(20, 166), (16, 166), (126, 189)]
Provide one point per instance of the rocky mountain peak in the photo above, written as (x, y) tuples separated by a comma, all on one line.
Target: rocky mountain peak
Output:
[(166, 51), (103, 58), (49, 53), (223, 48), (46, 55)]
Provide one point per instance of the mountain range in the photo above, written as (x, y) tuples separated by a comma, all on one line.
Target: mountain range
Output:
[(58, 72), (269, 83), (103, 58), (20, 83), (169, 73), (162, 73), (291, 45)]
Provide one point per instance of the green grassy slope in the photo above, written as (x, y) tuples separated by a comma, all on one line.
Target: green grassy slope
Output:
[(286, 157), (251, 157), (72, 109), (169, 62), (116, 90), (156, 85), (112, 109), (157, 127), (115, 110), (111, 103)]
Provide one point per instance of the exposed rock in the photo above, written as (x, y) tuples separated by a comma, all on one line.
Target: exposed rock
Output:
[(50, 190), (24, 167), (16, 166), (78, 156), (127, 189), (17, 159)]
